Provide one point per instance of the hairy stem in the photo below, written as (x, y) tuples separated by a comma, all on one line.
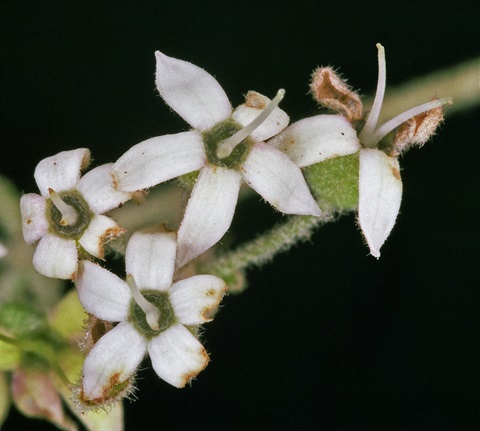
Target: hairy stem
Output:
[(262, 249)]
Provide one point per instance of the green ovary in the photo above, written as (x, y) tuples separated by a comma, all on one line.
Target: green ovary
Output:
[(334, 182)]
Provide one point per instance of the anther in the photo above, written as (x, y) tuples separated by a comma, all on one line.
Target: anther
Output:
[(152, 313), (226, 147), (69, 213)]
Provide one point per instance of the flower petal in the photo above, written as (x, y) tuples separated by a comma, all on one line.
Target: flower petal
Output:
[(195, 299), (209, 212), (62, 171), (177, 356), (102, 293), (113, 359), (278, 180), (56, 257), (34, 221), (97, 189), (254, 104), (315, 139), (99, 231), (150, 259), (35, 396), (158, 159), (192, 92), (380, 194)]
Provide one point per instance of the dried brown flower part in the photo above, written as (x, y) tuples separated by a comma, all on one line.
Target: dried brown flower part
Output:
[(94, 329), (417, 130), (333, 92)]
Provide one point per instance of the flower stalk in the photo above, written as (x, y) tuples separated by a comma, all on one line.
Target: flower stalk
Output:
[(264, 248)]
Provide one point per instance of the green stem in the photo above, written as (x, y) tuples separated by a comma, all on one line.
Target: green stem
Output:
[(231, 265)]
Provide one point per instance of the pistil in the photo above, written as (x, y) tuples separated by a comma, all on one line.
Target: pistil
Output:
[(69, 213), (152, 313), (226, 147)]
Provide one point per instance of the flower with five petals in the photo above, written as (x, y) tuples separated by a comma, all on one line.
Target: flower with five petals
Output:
[(159, 316), (68, 214), (227, 147)]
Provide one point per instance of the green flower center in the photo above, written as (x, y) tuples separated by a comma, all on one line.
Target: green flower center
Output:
[(219, 133), (161, 302), (84, 215)]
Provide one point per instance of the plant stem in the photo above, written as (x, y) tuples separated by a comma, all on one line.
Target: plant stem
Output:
[(262, 249)]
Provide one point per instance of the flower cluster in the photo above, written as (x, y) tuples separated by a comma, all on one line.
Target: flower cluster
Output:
[(158, 309)]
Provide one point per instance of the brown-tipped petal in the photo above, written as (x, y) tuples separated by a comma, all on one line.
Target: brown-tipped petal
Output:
[(177, 356)]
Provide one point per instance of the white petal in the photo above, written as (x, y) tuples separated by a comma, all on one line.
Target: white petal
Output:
[(158, 159), (177, 356), (150, 259), (254, 105), (113, 359), (278, 180), (209, 212), (102, 293), (62, 171), (195, 299), (34, 221), (192, 92), (97, 189), (380, 194), (99, 231), (56, 257), (315, 139)]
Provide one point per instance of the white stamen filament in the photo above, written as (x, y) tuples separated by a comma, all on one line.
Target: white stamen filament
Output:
[(367, 133), (69, 213), (387, 127), (152, 313), (226, 147)]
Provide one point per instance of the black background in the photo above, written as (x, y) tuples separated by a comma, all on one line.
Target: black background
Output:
[(326, 337)]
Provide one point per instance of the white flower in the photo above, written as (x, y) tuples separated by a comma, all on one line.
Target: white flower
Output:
[(158, 316), (68, 213), (224, 160), (319, 138)]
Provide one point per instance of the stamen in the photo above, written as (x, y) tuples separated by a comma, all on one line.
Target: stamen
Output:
[(387, 127), (69, 213), (225, 147), (367, 133), (152, 313)]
